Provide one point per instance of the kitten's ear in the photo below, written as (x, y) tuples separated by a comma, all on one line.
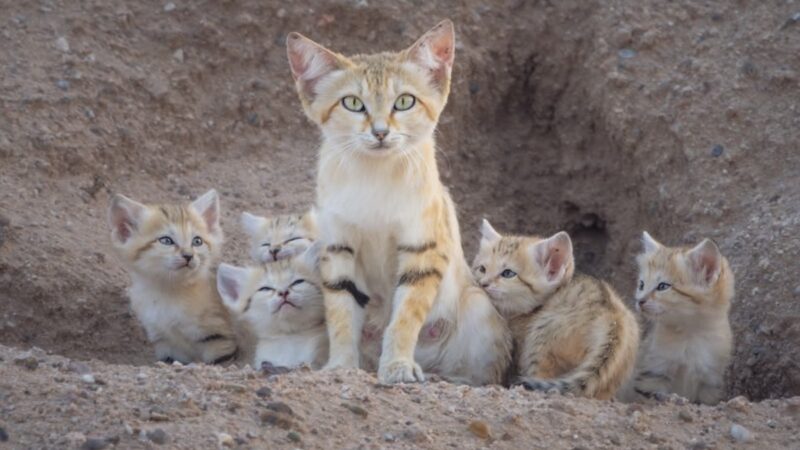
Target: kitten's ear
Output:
[(650, 245), (554, 256), (705, 261), (252, 224), (124, 217), (309, 62), (488, 233), (207, 205), (309, 259), (310, 223), (435, 51), (231, 281)]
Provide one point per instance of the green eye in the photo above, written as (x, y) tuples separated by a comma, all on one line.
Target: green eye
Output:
[(404, 102), (353, 103)]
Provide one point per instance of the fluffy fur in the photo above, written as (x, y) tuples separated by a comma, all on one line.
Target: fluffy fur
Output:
[(281, 305), (685, 293), (392, 257), (571, 332), (168, 251), (279, 237)]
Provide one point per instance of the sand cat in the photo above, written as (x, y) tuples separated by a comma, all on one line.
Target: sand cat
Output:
[(392, 256), (279, 237), (571, 331), (281, 304), (168, 251), (685, 294)]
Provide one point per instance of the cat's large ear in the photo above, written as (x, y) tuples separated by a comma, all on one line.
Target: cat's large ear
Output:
[(310, 62), (252, 224), (124, 216), (435, 52), (207, 206), (231, 281), (488, 233), (649, 244), (308, 261), (554, 256), (705, 262)]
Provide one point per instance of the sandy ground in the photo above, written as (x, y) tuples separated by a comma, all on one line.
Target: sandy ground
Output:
[(600, 118)]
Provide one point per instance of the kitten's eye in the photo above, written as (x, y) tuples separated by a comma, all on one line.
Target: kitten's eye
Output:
[(197, 241), (663, 286), (291, 239), (482, 269), (508, 273), (641, 285), (166, 240), (266, 289), (404, 102), (353, 103), (296, 282)]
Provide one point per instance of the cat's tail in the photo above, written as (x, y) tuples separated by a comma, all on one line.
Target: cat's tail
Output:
[(612, 345)]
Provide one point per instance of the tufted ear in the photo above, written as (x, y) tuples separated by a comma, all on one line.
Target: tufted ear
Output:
[(252, 223), (124, 216), (435, 52), (488, 233), (649, 244), (207, 206), (554, 256), (310, 62), (705, 261), (231, 281)]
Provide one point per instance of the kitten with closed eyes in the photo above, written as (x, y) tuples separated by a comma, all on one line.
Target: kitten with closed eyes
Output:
[(280, 237), (281, 305)]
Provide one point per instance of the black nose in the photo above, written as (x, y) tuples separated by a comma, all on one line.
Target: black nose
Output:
[(642, 301), (188, 258), (283, 294), (275, 252), (380, 133)]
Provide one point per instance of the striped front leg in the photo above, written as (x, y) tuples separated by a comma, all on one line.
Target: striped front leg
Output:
[(420, 270), (344, 305)]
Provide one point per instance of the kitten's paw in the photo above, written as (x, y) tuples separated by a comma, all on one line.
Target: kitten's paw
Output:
[(400, 371), (533, 384)]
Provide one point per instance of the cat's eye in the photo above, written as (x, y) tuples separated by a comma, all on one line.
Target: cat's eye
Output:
[(197, 241), (166, 240), (663, 286), (641, 285), (296, 282), (266, 289), (508, 273), (353, 103), (404, 102), (291, 239), (482, 269)]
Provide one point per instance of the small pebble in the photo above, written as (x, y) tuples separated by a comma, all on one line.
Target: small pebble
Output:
[(772, 424), (62, 44), (264, 392), (169, 7), (626, 53), (280, 407), (94, 444), (357, 410), (3, 435), (685, 416), (480, 429), (741, 434), (225, 440), (88, 378), (157, 436), (27, 360), (717, 150), (389, 437), (62, 84), (293, 436), (79, 367), (178, 55)]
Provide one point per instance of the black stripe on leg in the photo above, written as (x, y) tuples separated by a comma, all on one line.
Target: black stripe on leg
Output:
[(415, 276), (213, 337), (226, 358), (347, 285), (422, 248), (340, 248)]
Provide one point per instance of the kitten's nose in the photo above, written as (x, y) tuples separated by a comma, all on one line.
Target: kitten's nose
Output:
[(274, 252), (283, 294), (380, 133), (484, 285), (188, 258)]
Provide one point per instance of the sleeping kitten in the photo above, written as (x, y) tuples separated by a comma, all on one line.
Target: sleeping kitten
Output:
[(571, 333), (279, 237), (685, 294), (168, 251), (393, 264), (281, 304)]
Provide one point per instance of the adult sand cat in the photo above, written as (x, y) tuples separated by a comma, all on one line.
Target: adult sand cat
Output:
[(389, 227), (571, 332), (281, 304), (686, 294), (168, 251)]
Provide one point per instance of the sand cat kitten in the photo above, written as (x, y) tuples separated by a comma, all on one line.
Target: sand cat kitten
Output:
[(685, 294), (168, 251), (571, 332), (392, 254), (279, 237), (281, 303)]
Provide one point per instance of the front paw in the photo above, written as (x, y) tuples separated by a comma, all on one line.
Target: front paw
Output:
[(533, 384), (346, 363), (400, 371)]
